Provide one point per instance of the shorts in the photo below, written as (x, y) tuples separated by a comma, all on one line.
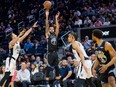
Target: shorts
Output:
[(53, 59), (104, 77), (82, 73), (10, 65)]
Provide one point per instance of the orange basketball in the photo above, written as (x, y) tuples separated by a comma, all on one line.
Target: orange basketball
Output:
[(47, 4)]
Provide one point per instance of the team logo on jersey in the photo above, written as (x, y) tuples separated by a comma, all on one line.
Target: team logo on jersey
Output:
[(101, 56), (53, 41)]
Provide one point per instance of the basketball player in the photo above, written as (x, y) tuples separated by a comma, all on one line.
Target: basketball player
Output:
[(105, 60), (14, 49), (51, 35), (84, 67)]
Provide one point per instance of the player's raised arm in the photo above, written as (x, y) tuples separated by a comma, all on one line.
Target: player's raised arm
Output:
[(57, 24), (27, 32), (47, 24)]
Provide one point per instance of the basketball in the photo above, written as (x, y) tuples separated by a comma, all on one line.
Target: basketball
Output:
[(47, 4)]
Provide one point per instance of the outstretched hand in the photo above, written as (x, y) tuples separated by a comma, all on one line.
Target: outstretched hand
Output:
[(57, 15), (35, 24)]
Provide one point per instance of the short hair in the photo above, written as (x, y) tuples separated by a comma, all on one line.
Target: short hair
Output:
[(74, 34), (97, 33), (23, 63)]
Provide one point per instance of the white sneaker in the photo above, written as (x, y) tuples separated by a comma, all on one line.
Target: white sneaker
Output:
[(57, 85)]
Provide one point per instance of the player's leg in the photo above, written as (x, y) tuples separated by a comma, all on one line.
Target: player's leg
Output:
[(112, 77), (7, 72), (111, 81), (50, 60), (8, 81), (55, 64), (6, 76), (104, 80), (106, 85)]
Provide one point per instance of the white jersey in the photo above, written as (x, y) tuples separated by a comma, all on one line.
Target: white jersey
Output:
[(81, 71), (76, 55), (14, 52), (11, 60)]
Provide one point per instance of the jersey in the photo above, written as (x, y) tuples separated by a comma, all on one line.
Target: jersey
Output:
[(76, 55), (81, 71), (14, 52), (11, 60), (103, 57), (52, 43)]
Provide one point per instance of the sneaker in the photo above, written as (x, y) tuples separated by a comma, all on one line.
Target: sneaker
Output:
[(57, 84)]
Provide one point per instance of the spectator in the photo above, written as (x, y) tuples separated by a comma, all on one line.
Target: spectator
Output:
[(28, 66), (87, 21), (41, 68), (93, 20), (44, 62), (102, 18), (34, 69), (2, 72), (78, 21), (98, 23), (32, 59), (70, 61), (65, 73), (8, 29), (77, 13), (26, 58), (87, 43), (36, 45), (107, 22), (23, 77), (38, 61), (28, 45), (19, 61)]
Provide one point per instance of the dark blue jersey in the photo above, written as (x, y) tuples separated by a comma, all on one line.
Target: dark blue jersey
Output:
[(52, 43)]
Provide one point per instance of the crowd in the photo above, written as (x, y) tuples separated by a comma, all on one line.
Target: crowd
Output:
[(74, 14), (31, 70)]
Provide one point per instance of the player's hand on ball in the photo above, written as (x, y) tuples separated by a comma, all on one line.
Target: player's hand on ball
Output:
[(47, 5)]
